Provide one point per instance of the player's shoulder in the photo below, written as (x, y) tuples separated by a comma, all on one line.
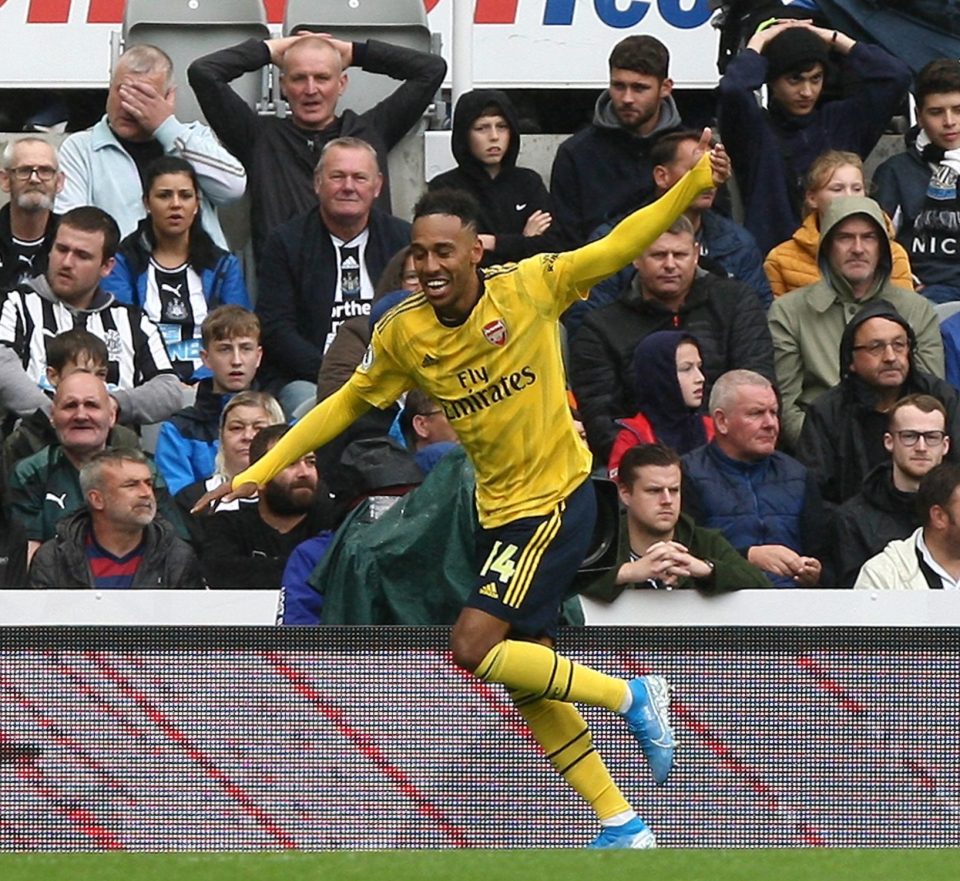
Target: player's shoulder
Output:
[(410, 308)]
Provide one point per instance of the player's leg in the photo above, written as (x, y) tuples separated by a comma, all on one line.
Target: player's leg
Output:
[(525, 568)]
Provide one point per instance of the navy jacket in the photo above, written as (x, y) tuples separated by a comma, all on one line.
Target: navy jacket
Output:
[(297, 273), (771, 150)]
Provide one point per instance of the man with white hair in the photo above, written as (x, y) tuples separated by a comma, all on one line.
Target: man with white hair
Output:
[(116, 541), (765, 502), (104, 164), (30, 173)]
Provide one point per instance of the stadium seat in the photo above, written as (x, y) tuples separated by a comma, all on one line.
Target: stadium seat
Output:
[(186, 31)]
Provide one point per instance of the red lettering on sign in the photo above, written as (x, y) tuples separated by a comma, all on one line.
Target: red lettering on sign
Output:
[(105, 11), (49, 11), (275, 10), (496, 12)]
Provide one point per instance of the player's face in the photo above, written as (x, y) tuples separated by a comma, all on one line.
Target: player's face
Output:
[(667, 175), (313, 82), (798, 93), (751, 424), (915, 460), (127, 494), (172, 204), (347, 184), (446, 255), (239, 429), (233, 362), (855, 250), (881, 353), (489, 139), (635, 98), (33, 194), (76, 264), (940, 119), (82, 414), (667, 268), (294, 489), (690, 374), (847, 180), (653, 501)]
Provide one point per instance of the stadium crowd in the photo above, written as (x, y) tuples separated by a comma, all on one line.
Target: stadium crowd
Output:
[(775, 401)]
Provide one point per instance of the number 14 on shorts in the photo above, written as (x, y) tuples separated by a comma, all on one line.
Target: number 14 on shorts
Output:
[(501, 561)]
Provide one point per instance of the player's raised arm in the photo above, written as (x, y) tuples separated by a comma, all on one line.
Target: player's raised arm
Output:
[(602, 258)]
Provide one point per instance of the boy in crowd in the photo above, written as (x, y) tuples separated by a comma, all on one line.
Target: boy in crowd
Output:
[(187, 445)]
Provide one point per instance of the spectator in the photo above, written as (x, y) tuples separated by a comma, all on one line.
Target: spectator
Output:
[(31, 174), (171, 269), (666, 294), (248, 548), (660, 547), (885, 509), (772, 149), (807, 326), (426, 429), (353, 336), (139, 374), (918, 187), (793, 263), (188, 441), (844, 432), (280, 153), (515, 207), (116, 541), (726, 248), (669, 381), (929, 559), (13, 544), (45, 487), (764, 502), (240, 420), (104, 165), (604, 171), (73, 351), (319, 269)]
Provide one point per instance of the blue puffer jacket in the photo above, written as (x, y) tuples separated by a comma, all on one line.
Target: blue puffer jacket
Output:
[(751, 503)]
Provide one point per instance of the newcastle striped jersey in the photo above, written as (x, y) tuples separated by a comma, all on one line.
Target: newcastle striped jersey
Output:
[(135, 346)]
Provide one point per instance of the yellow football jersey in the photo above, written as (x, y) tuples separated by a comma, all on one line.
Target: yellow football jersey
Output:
[(500, 380)]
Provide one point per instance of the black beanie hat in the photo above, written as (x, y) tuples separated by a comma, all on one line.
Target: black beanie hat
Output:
[(795, 49)]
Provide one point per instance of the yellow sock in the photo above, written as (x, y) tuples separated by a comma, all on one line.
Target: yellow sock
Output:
[(538, 670), (566, 739)]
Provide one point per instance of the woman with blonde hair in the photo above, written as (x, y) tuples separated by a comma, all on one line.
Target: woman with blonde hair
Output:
[(793, 263)]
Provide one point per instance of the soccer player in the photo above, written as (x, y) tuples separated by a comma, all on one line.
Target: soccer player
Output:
[(485, 345)]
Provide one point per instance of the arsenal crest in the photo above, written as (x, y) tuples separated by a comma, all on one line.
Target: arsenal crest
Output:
[(495, 332)]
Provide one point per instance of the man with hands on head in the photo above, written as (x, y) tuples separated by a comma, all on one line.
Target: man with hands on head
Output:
[(280, 154), (104, 164)]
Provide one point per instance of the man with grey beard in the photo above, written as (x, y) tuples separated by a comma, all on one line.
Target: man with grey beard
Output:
[(30, 173)]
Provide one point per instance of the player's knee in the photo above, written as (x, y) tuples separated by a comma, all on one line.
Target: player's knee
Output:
[(468, 649)]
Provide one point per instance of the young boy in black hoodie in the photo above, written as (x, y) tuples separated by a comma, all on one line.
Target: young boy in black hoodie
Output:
[(515, 205)]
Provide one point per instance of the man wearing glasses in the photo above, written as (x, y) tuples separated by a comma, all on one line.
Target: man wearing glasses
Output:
[(31, 174), (807, 327), (885, 509), (844, 433)]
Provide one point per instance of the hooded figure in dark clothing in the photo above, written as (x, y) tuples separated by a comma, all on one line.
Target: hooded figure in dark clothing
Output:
[(516, 212), (842, 436), (669, 382)]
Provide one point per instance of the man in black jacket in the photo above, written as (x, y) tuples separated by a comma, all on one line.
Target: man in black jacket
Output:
[(885, 509), (843, 435), (117, 540), (667, 293), (320, 269), (279, 154)]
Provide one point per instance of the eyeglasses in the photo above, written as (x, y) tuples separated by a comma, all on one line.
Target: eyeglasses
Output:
[(931, 438), (25, 172), (878, 347)]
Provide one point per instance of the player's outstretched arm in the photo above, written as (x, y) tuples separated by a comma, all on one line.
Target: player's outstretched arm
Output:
[(331, 417), (636, 232)]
